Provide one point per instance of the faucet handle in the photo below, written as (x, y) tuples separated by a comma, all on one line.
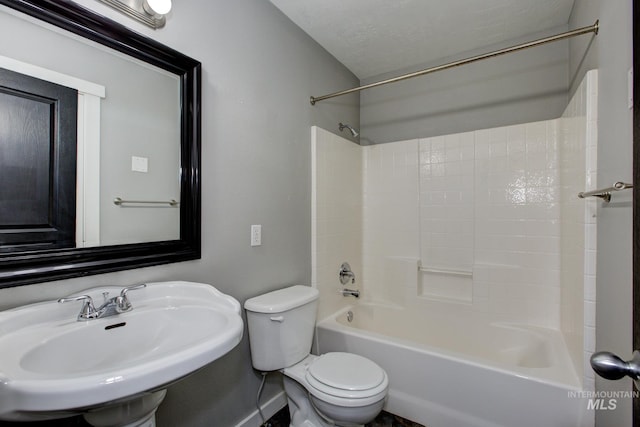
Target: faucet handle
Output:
[(123, 303), (132, 288), (345, 274), (88, 310)]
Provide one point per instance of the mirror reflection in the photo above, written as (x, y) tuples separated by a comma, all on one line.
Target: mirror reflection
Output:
[(128, 135)]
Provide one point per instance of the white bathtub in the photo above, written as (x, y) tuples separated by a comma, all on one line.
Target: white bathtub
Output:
[(458, 371)]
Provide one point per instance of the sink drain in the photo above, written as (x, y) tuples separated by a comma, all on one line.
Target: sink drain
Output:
[(115, 325)]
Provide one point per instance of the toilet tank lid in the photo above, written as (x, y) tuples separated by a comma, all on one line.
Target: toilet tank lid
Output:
[(282, 299)]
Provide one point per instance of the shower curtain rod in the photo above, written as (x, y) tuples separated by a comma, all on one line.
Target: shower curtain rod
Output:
[(584, 30)]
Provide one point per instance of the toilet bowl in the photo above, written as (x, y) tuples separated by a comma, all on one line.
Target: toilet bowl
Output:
[(341, 389)]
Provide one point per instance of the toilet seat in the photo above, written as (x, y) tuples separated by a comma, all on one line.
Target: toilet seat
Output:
[(346, 379)]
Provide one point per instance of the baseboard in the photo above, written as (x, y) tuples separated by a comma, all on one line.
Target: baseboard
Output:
[(269, 409)]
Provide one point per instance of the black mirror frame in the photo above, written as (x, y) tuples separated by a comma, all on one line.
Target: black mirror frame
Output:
[(47, 265)]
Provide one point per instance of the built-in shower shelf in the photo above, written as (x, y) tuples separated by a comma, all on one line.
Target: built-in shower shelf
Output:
[(445, 284), (446, 271)]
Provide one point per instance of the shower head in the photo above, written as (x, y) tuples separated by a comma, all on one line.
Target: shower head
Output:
[(354, 132)]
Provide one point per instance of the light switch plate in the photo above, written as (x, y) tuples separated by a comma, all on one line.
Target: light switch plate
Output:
[(139, 164), (256, 235)]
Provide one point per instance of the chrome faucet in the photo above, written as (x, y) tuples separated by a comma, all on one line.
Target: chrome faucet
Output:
[(351, 292), (110, 306), (345, 274)]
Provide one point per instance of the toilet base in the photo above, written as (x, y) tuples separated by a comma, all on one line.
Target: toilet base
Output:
[(300, 410), (307, 411), (347, 416)]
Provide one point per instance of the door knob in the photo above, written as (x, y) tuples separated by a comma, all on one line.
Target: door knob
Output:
[(611, 367)]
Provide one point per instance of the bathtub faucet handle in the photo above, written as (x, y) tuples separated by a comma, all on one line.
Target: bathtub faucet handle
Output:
[(345, 274)]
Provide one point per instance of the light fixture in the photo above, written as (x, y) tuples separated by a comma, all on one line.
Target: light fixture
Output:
[(149, 12), (157, 7)]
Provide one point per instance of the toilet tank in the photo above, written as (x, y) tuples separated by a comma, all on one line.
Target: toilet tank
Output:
[(281, 325)]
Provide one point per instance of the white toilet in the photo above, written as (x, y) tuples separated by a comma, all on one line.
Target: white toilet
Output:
[(332, 389)]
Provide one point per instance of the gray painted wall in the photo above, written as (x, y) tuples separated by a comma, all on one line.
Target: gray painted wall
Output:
[(258, 73), (611, 53), (521, 87)]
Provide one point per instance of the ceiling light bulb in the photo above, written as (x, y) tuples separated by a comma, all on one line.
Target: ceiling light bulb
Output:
[(157, 7)]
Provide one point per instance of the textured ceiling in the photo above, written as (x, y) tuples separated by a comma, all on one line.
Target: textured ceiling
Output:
[(372, 37)]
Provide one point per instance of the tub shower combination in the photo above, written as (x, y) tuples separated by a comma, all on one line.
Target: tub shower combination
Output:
[(501, 340), (457, 350), (474, 253)]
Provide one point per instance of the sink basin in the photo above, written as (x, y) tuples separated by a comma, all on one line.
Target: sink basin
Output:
[(52, 365)]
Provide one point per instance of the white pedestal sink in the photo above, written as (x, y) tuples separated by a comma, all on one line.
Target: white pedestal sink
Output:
[(111, 369)]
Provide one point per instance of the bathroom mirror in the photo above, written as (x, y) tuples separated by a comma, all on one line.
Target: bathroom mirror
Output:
[(157, 123)]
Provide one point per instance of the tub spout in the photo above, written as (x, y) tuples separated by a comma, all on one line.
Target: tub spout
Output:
[(351, 292)]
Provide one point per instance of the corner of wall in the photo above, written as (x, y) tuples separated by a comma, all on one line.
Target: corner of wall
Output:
[(578, 153)]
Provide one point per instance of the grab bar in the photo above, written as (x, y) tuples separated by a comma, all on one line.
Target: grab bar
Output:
[(119, 202), (605, 193)]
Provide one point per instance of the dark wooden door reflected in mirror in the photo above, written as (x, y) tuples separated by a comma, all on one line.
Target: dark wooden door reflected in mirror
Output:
[(37, 163)]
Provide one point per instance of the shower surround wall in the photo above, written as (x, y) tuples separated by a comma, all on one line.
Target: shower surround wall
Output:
[(490, 221), (486, 222), (578, 157), (336, 214)]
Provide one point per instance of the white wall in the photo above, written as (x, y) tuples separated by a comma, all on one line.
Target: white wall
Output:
[(487, 227), (516, 229), (578, 224), (336, 216), (447, 201), (258, 73), (390, 220)]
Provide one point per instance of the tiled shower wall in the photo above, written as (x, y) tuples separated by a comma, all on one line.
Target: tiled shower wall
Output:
[(578, 156), (485, 221), (336, 215), (488, 221), (391, 219)]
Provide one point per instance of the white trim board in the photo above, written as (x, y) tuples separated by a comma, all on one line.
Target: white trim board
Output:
[(52, 76)]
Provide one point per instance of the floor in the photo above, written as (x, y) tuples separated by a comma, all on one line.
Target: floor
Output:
[(385, 419)]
